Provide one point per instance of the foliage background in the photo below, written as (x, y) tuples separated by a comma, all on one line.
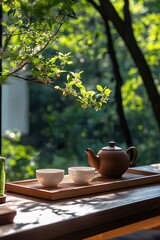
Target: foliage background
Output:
[(60, 130)]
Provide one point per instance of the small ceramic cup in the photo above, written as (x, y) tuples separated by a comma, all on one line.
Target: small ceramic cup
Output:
[(50, 177), (81, 175)]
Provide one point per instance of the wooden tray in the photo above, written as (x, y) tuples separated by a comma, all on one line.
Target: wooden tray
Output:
[(6, 215), (68, 189)]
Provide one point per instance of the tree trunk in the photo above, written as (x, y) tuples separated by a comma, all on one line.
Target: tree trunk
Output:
[(118, 96), (124, 28)]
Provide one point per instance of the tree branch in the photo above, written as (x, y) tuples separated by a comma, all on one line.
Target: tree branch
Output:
[(19, 68), (41, 49), (118, 94), (127, 16), (108, 10), (94, 4), (6, 43), (52, 37), (21, 77)]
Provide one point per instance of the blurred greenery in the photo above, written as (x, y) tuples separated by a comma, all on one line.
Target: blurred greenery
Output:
[(21, 161), (60, 130)]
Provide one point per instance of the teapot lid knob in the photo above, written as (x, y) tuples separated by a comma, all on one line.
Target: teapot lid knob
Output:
[(112, 147), (112, 144)]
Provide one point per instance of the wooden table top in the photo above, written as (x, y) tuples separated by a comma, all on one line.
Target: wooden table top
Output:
[(81, 217)]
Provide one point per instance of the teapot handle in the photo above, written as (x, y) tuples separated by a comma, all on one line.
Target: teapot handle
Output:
[(133, 157)]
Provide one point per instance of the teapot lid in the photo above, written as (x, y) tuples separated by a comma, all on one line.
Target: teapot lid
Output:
[(112, 147)]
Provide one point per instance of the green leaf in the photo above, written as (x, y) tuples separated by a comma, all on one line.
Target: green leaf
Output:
[(99, 88), (107, 91)]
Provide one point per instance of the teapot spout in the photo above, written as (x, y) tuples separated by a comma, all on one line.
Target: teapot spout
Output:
[(93, 159)]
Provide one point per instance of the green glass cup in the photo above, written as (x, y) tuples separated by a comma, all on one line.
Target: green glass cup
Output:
[(2, 176)]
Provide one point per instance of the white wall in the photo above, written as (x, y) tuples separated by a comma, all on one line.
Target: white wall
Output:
[(15, 106)]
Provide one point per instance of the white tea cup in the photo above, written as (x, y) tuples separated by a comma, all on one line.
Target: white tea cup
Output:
[(81, 175), (50, 177)]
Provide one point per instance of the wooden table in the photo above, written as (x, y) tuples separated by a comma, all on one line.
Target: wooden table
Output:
[(83, 217)]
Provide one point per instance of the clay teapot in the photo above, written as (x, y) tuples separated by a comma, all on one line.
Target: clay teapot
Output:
[(112, 161)]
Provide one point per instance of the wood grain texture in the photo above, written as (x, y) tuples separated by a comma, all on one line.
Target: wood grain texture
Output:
[(68, 189), (81, 217)]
